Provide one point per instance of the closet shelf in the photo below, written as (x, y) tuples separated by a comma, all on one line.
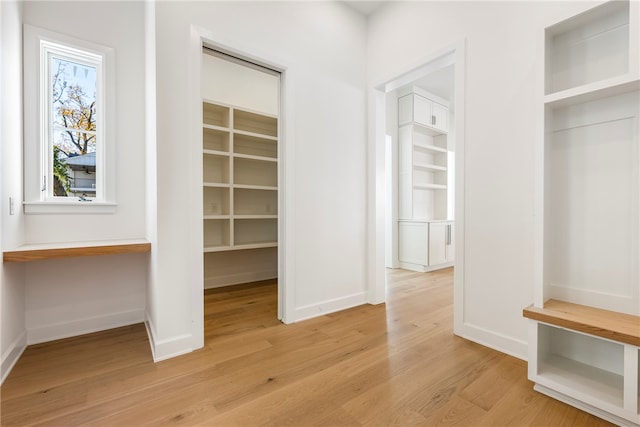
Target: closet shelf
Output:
[(430, 186), (34, 252), (430, 167), (241, 247), (620, 327), (255, 134), (429, 147), (215, 127), (592, 91), (253, 157), (216, 152)]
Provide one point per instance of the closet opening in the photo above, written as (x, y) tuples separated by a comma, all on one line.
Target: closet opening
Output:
[(240, 193)]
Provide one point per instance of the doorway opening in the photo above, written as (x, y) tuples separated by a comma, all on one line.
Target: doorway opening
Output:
[(419, 119), (240, 192)]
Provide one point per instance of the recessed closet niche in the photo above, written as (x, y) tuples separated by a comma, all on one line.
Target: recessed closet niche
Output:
[(240, 105)]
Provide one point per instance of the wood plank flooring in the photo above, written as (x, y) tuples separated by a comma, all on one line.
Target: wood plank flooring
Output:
[(396, 365)]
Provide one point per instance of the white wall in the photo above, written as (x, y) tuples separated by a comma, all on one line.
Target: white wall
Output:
[(231, 83), (322, 45), (12, 290), (501, 111), (72, 296)]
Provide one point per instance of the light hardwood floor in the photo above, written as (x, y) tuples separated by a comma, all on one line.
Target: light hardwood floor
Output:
[(398, 364)]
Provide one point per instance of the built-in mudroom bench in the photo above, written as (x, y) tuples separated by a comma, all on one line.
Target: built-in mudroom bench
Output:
[(584, 327), (587, 357)]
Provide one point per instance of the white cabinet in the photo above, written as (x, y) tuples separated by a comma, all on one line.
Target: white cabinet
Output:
[(413, 240), (588, 216), (440, 117), (440, 243), (425, 246), (415, 108)]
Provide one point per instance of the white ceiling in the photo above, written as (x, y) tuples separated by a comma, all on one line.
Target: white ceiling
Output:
[(365, 7), (440, 83)]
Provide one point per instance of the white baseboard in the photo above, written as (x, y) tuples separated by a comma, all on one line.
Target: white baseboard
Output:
[(167, 348), (237, 278), (11, 355), (491, 339), (423, 268), (83, 326), (329, 306)]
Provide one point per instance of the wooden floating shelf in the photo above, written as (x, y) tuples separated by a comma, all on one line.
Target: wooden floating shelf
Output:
[(620, 327), (28, 253)]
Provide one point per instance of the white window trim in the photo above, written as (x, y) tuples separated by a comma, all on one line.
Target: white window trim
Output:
[(38, 43)]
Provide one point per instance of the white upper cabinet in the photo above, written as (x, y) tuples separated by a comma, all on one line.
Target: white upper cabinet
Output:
[(417, 109), (440, 117)]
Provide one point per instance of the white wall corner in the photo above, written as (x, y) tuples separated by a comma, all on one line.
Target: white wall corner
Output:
[(329, 306), (167, 348), (83, 326), (12, 354)]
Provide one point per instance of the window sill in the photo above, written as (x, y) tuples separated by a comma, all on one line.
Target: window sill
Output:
[(69, 207)]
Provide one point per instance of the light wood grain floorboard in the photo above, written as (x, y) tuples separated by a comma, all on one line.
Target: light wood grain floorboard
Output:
[(397, 364)]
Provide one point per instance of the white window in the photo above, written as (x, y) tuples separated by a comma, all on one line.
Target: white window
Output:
[(68, 124)]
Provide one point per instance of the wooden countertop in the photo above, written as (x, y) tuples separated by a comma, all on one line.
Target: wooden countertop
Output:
[(34, 252)]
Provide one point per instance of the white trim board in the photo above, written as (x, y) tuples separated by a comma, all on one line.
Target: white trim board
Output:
[(12, 355), (330, 306), (83, 326)]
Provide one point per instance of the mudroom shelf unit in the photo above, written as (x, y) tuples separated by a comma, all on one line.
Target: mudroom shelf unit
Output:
[(424, 229), (584, 339), (240, 178)]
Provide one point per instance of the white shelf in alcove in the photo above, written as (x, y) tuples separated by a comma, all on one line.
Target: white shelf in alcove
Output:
[(595, 384), (216, 127), (209, 249), (217, 248), (430, 186), (257, 135), (255, 216), (252, 157), (429, 147), (592, 91), (430, 167), (217, 185), (216, 216), (255, 187), (256, 246), (216, 153)]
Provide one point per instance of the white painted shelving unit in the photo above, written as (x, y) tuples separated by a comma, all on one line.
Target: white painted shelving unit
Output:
[(425, 233), (240, 178), (588, 257)]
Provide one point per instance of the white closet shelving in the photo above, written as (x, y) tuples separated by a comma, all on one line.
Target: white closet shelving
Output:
[(585, 327), (240, 178), (424, 229)]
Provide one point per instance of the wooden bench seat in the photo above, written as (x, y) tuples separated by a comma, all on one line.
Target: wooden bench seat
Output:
[(621, 327)]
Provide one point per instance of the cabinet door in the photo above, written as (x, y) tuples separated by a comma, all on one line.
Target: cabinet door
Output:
[(450, 250), (438, 232), (412, 242), (440, 119), (422, 110)]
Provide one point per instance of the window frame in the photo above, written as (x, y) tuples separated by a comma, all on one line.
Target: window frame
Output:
[(39, 46)]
